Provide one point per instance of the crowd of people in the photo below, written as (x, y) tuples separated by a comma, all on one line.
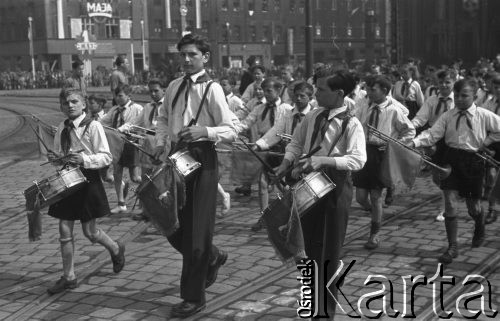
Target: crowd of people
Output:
[(331, 125)]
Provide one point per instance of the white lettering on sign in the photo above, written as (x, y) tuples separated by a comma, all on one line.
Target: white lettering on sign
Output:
[(86, 46), (99, 9)]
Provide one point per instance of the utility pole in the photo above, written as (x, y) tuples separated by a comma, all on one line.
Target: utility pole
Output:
[(132, 60), (228, 38), (309, 39), (32, 54)]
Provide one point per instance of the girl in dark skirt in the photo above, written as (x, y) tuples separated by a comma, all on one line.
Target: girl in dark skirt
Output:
[(80, 132)]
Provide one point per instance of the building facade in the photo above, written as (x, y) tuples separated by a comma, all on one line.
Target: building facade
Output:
[(146, 31)]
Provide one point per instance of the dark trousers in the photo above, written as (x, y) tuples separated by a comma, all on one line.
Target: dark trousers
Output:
[(324, 228), (194, 237)]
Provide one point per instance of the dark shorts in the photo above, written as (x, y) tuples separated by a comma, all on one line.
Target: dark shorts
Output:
[(88, 203), (467, 173), (130, 156), (368, 176), (412, 108)]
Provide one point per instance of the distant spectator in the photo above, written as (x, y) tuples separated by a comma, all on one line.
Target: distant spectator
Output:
[(77, 80)]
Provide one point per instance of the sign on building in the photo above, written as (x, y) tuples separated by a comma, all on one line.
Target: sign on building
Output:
[(99, 9)]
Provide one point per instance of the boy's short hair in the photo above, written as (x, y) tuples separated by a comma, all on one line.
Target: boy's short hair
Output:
[(381, 80), (262, 68), (100, 99), (119, 61), (467, 82), (125, 88), (67, 91), (230, 80), (191, 39), (340, 79), (155, 81), (442, 74), (303, 86), (272, 82)]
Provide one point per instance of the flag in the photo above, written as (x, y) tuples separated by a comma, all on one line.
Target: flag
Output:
[(47, 133), (246, 167), (115, 143), (400, 166)]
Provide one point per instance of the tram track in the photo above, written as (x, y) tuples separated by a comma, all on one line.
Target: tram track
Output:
[(262, 282)]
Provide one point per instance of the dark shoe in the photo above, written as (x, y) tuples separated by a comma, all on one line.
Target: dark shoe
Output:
[(140, 217), (186, 309), (491, 217), (479, 232), (61, 285), (257, 226), (448, 256), (245, 190), (213, 269), (373, 242), (119, 259)]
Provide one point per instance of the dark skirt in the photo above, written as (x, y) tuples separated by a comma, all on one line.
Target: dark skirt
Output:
[(368, 176), (130, 156), (467, 172), (88, 203)]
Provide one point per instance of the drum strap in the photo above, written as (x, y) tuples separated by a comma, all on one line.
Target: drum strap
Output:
[(195, 120), (345, 122)]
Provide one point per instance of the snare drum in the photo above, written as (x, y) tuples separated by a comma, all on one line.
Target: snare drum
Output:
[(184, 162), (311, 189), (54, 188)]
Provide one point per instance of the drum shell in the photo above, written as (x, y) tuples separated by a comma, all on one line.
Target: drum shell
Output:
[(184, 162), (54, 188), (158, 201), (309, 190)]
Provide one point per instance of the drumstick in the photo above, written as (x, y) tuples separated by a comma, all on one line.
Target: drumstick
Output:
[(266, 165), (40, 138), (312, 152), (138, 147), (62, 157)]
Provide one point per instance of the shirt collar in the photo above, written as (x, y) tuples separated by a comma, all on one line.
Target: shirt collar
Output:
[(229, 96), (129, 102), (335, 111), (471, 110), (450, 96), (79, 119), (383, 105), (195, 76), (304, 111), (410, 80), (159, 102)]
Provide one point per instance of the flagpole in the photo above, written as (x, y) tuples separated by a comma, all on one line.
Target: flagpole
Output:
[(30, 37)]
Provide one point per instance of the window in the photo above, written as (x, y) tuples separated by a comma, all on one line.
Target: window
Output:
[(377, 31), (176, 26), (112, 28), (204, 28), (253, 33), (236, 33), (236, 5), (349, 30), (334, 31), (224, 5), (348, 4), (158, 26), (225, 33), (88, 24), (265, 6), (266, 33), (292, 5), (302, 5), (277, 5), (278, 33), (317, 30), (334, 5)]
